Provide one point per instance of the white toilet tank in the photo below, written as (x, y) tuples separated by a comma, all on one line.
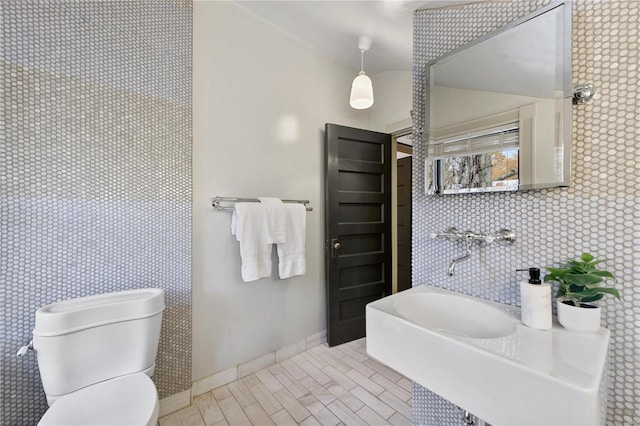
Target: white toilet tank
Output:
[(83, 341)]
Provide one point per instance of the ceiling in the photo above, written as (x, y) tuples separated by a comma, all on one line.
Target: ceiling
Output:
[(333, 27)]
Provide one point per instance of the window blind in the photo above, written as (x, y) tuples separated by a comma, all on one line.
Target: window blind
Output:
[(500, 138)]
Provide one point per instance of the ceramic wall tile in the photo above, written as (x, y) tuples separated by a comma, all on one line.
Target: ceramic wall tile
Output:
[(598, 213), (95, 172)]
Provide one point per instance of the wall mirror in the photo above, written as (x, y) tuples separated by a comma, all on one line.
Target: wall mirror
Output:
[(498, 110)]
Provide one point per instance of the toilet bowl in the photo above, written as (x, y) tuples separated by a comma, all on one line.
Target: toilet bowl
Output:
[(128, 400)]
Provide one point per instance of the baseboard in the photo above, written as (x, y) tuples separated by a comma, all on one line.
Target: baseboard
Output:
[(201, 386), (175, 402)]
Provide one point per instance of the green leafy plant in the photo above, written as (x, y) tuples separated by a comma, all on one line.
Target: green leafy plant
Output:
[(580, 280)]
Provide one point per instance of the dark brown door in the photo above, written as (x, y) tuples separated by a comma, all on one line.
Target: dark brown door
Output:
[(404, 223), (357, 227)]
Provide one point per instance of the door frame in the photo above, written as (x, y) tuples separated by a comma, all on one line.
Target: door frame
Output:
[(396, 130)]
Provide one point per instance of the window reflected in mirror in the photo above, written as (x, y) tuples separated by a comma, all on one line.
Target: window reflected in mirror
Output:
[(492, 171)]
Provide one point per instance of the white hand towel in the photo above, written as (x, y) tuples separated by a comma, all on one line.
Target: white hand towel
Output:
[(247, 224), (274, 220), (234, 222), (291, 254)]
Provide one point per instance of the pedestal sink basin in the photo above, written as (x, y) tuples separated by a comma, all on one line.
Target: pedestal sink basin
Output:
[(456, 314), (478, 355)]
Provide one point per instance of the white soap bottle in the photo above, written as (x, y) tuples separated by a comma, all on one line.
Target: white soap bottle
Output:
[(535, 299)]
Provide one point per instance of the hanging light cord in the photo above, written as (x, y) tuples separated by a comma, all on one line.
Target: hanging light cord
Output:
[(361, 61)]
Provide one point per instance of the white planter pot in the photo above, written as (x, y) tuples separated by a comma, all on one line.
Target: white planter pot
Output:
[(583, 320)]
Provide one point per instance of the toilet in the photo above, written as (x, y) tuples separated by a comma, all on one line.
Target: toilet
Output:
[(96, 355)]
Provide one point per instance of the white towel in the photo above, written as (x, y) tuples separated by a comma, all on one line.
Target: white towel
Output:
[(291, 254), (247, 224), (274, 220)]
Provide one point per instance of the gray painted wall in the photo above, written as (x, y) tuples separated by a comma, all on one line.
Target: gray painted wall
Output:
[(259, 114)]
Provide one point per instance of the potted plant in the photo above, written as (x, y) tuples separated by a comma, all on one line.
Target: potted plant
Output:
[(580, 286)]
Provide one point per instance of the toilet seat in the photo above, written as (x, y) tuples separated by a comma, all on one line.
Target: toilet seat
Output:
[(127, 400)]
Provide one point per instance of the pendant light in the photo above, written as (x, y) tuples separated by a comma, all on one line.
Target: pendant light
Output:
[(362, 88)]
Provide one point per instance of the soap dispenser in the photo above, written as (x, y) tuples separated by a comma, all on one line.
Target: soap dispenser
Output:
[(535, 298)]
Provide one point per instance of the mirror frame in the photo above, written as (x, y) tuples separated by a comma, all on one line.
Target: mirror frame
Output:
[(567, 89)]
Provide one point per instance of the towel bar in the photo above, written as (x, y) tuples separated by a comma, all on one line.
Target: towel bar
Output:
[(217, 202)]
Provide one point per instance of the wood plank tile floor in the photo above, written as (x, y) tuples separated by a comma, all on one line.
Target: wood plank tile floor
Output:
[(321, 386)]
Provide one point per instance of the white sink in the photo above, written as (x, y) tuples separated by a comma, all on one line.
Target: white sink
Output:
[(478, 355), (455, 314)]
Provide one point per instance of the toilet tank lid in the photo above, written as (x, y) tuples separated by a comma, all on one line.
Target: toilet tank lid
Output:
[(73, 315)]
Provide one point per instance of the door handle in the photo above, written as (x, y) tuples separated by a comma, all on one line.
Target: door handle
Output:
[(335, 247)]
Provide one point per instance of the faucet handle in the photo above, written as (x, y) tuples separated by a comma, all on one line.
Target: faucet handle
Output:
[(451, 234), (505, 237)]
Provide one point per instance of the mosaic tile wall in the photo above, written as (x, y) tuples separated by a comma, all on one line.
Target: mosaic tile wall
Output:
[(599, 213), (95, 172)]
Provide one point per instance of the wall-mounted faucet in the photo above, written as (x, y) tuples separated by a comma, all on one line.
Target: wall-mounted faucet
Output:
[(468, 240), (503, 237)]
